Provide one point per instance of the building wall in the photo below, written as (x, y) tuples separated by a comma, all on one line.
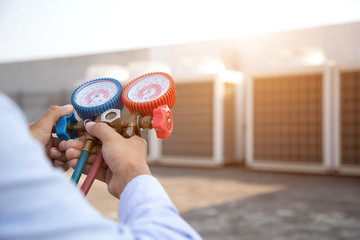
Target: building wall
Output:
[(266, 52), (36, 85)]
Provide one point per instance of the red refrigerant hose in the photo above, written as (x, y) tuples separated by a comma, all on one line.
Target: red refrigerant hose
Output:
[(92, 174)]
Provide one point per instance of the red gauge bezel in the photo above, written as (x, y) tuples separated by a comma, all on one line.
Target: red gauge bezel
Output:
[(146, 108)]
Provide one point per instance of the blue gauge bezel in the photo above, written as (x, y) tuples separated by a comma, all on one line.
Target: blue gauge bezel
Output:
[(91, 112)]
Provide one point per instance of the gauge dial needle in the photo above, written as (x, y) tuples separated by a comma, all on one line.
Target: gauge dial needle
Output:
[(95, 96)]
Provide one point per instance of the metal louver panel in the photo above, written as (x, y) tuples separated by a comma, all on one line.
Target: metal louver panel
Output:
[(193, 121), (350, 117), (287, 123)]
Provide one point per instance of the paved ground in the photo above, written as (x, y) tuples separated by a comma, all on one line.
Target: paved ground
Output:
[(234, 203)]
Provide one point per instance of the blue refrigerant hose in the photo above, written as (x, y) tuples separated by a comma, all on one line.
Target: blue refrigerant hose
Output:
[(80, 166)]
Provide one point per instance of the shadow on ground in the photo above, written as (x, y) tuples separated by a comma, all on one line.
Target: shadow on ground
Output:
[(262, 205)]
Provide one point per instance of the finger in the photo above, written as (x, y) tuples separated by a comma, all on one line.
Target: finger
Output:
[(73, 162), (65, 145), (102, 131), (54, 153), (53, 114), (91, 160), (72, 153), (75, 144), (64, 165)]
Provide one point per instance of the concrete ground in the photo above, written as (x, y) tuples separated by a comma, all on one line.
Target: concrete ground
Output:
[(234, 203)]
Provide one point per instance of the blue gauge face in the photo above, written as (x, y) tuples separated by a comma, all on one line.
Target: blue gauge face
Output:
[(148, 88), (96, 96), (96, 93)]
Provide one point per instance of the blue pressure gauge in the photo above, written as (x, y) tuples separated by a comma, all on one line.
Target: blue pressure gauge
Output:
[(97, 96)]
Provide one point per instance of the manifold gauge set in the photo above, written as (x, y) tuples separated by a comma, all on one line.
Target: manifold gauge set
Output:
[(148, 98)]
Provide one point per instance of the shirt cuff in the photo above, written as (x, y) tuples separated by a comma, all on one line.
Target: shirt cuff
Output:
[(143, 188)]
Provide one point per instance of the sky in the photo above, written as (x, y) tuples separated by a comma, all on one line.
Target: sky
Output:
[(42, 29)]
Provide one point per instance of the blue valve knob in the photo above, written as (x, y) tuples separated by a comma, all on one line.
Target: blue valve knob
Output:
[(61, 127)]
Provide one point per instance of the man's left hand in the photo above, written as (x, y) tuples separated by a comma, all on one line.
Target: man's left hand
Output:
[(42, 128)]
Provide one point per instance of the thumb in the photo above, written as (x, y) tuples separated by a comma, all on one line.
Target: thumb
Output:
[(54, 113), (101, 131)]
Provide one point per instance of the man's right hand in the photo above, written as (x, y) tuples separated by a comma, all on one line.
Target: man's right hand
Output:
[(125, 158)]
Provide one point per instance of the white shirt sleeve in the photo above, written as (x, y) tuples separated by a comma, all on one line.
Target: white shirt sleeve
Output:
[(38, 202)]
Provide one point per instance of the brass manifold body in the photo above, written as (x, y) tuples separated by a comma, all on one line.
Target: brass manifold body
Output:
[(127, 128)]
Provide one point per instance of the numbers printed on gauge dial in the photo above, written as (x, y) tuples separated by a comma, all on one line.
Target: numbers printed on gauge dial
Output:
[(96, 93), (148, 88)]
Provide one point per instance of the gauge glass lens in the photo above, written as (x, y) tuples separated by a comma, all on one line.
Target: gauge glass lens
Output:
[(148, 88), (96, 93)]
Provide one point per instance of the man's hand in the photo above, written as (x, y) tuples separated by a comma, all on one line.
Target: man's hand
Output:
[(41, 130), (124, 158)]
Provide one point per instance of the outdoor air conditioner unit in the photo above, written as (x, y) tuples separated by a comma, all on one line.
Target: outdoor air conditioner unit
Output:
[(289, 120), (208, 122), (347, 120)]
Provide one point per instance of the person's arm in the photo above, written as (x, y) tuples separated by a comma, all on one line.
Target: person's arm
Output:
[(38, 202), (144, 204)]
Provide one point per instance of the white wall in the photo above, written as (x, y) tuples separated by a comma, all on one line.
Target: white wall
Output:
[(260, 53)]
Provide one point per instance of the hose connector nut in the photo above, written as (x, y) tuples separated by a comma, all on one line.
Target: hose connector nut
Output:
[(111, 116)]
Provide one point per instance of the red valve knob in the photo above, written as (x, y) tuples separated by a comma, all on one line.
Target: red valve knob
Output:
[(163, 121)]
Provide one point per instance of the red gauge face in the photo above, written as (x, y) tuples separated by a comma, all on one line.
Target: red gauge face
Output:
[(148, 88), (147, 92), (150, 92)]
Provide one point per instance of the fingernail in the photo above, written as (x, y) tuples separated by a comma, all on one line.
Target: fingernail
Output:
[(68, 106), (89, 124), (55, 153)]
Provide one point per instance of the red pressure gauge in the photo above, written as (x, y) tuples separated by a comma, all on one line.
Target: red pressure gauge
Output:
[(147, 92)]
